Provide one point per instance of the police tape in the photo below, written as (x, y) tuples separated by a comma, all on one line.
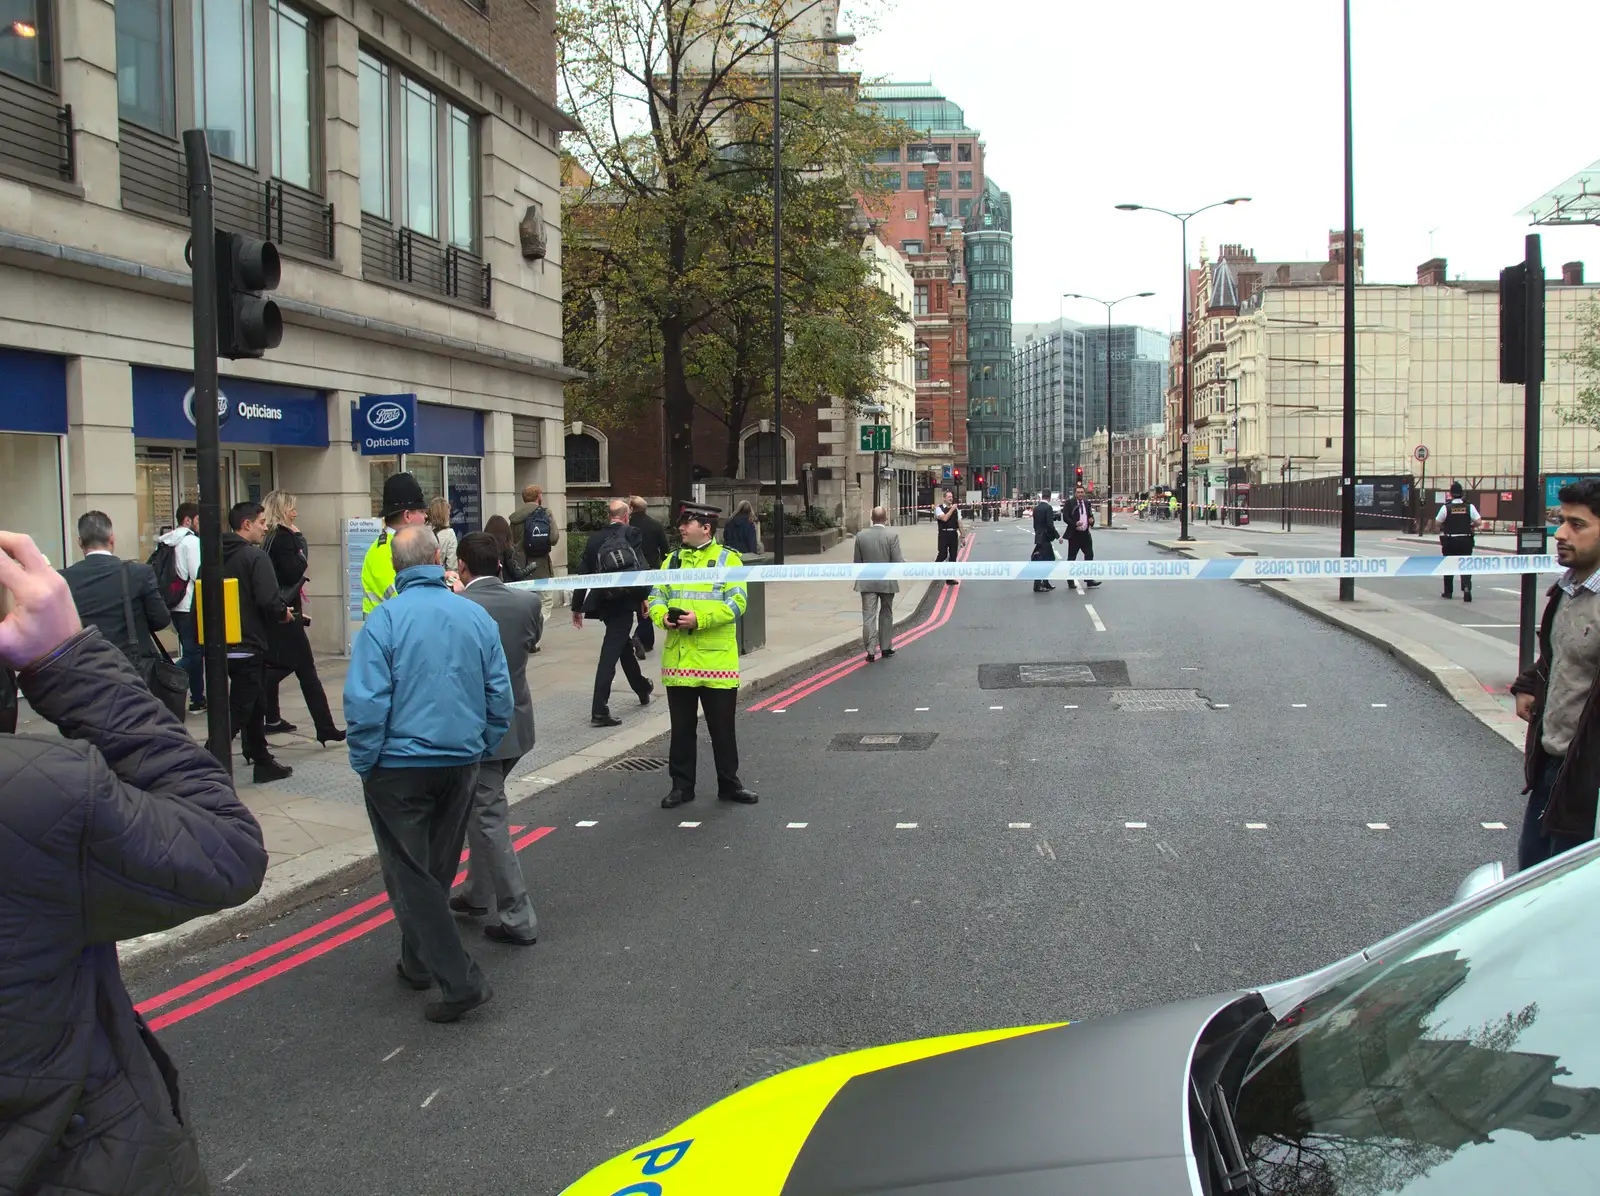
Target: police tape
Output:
[(1371, 568)]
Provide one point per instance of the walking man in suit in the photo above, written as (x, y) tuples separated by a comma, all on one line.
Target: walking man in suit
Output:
[(877, 545), (495, 887), (1044, 538), (96, 585), (1080, 529)]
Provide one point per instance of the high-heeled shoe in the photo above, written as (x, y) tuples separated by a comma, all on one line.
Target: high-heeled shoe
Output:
[(334, 736)]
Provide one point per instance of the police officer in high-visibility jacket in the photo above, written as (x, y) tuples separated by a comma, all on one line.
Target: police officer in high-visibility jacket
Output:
[(700, 659), (403, 505), (1458, 520)]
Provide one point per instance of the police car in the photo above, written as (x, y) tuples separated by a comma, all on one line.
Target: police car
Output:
[(1459, 1056)]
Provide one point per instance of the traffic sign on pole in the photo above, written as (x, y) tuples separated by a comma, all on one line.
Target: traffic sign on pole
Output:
[(1422, 452), (876, 438)]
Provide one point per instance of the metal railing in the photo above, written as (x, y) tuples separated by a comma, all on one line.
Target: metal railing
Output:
[(406, 256), (36, 130)]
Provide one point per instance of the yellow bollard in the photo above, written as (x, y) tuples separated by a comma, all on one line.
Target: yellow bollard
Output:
[(230, 611)]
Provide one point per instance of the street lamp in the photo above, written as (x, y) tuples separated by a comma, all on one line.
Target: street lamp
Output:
[(1183, 219), (776, 37), (1109, 304)]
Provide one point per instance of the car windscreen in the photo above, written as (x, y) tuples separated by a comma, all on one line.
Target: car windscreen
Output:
[(1468, 1062)]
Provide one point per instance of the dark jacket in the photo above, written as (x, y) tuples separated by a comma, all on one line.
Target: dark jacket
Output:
[(125, 827), (1571, 810), (519, 616), (1044, 524), (259, 601), (1069, 516), (97, 593), (598, 602), (739, 534), (655, 538), (290, 556)]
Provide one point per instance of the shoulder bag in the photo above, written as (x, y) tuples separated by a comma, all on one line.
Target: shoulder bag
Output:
[(168, 682)]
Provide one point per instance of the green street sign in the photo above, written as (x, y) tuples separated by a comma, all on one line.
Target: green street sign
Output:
[(875, 438)]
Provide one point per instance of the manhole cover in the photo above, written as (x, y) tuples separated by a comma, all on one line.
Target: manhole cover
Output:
[(637, 764), (1150, 701), (1062, 674), (888, 741)]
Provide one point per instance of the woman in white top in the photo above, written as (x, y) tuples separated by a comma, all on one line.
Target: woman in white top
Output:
[(439, 520)]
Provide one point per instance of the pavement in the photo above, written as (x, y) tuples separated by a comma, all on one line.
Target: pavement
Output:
[(996, 827)]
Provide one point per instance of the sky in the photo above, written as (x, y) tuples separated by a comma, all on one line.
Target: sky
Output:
[(1465, 112)]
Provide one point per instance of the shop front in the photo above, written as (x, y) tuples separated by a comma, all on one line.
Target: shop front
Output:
[(260, 420), (446, 458), (33, 438)]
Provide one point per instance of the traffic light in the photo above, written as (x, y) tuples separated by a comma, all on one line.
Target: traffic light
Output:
[(977, 478), (1077, 475), (248, 323), (958, 474)]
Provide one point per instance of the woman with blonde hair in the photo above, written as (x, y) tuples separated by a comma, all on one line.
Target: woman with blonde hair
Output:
[(288, 645), (439, 520)]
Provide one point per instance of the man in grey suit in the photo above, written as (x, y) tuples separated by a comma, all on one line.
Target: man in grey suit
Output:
[(495, 887), (877, 545)]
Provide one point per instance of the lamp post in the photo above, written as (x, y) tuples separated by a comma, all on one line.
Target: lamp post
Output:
[(1109, 304), (1347, 492), (1183, 219)]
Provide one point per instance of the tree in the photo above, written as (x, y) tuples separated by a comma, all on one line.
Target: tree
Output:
[(1586, 357), (666, 264)]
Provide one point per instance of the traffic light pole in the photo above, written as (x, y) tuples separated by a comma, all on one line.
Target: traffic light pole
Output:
[(203, 264), (1532, 538)]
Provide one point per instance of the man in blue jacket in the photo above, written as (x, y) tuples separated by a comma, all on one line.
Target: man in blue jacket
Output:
[(427, 696)]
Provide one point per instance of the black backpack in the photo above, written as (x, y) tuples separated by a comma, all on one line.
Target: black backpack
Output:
[(171, 587), (536, 534)]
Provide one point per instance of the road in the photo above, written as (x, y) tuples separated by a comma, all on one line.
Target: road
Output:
[(1037, 854)]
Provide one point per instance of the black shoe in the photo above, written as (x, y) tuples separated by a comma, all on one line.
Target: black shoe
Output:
[(1466, 595), (1049, 585), (421, 985), (888, 651), (334, 736), (1447, 594), (279, 727), (449, 1011), (497, 933), (951, 582), (459, 904), (1037, 588), (604, 720), (1091, 584), (676, 798), (870, 658), (268, 769), (743, 796), (197, 707), (638, 648), (644, 698)]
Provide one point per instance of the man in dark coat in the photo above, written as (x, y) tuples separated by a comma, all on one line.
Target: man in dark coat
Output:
[(96, 585), (123, 826), (617, 548), (655, 551), (260, 603), (1044, 538)]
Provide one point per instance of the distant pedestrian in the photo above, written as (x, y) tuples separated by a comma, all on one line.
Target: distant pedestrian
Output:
[(439, 521), (100, 582), (261, 606), (1557, 696), (877, 545), (536, 534), (1045, 536), (655, 551), (617, 548), (495, 886), (947, 515), (1079, 518), (427, 696), (288, 646), (700, 659), (185, 543), (510, 570), (1458, 521), (739, 533), (403, 506)]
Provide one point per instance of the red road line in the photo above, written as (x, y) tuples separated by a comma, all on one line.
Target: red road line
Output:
[(305, 956)]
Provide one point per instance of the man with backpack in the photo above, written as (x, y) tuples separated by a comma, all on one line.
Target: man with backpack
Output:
[(535, 530), (619, 548), (176, 562)]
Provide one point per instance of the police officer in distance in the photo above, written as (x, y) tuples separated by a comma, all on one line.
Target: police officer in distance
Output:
[(1458, 520), (403, 506), (700, 658)]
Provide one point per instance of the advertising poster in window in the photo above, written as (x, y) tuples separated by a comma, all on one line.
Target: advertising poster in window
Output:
[(359, 536), (464, 483)]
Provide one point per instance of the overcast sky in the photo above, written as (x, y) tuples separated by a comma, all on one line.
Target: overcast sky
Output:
[(1165, 102)]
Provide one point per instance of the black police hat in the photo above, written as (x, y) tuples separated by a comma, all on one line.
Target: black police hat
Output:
[(693, 510), (401, 493)]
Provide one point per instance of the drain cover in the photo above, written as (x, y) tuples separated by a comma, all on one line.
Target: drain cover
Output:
[(637, 764), (1149, 701), (887, 741), (1061, 674)]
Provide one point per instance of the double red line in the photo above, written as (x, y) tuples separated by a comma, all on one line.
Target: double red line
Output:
[(312, 935), (943, 608)]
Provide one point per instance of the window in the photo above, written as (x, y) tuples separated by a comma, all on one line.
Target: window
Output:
[(964, 208), (922, 367), (144, 64), (463, 178), (29, 50), (942, 206), (964, 153), (374, 86), (910, 247), (964, 180), (892, 180), (887, 155), (921, 301), (224, 77), (942, 152), (583, 459), (292, 77), (763, 454), (944, 180), (913, 180), (419, 158)]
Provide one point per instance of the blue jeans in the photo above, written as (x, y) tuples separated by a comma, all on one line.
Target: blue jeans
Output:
[(1535, 846), (192, 661)]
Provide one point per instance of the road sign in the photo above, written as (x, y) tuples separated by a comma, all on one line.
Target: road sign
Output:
[(876, 438), (1186, 438), (947, 473), (1422, 452)]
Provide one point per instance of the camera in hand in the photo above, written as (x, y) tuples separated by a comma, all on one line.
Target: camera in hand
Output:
[(673, 615)]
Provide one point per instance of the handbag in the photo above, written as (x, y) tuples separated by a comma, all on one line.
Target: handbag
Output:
[(163, 678)]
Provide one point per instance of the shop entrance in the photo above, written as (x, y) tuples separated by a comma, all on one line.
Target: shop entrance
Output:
[(166, 477)]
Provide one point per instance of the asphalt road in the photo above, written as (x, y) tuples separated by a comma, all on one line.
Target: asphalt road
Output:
[(991, 877)]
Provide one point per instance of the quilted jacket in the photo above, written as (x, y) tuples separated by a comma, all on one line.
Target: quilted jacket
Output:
[(123, 827)]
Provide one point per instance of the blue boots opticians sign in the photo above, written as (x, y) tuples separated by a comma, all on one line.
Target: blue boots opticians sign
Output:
[(386, 424)]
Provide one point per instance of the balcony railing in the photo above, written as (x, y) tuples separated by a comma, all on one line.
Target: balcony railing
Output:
[(934, 448), (36, 132), (401, 255), (154, 178)]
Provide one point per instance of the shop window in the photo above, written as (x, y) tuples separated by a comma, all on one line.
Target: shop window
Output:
[(30, 489), (586, 464)]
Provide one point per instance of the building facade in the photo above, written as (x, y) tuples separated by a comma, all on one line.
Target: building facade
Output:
[(1138, 374), (991, 422), (889, 479), (944, 144), (1049, 372), (404, 159), (935, 255)]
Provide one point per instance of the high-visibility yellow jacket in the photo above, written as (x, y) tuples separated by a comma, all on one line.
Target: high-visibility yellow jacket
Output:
[(708, 656), (377, 573)]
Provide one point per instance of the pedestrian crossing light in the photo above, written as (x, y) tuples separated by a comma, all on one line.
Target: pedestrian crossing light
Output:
[(248, 323), (1077, 475)]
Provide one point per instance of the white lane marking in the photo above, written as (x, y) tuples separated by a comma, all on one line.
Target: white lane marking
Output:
[(997, 708), (1377, 826), (1491, 626), (1255, 826), (1506, 590), (1019, 826), (1380, 705), (588, 822), (1069, 708), (431, 1095), (1297, 705), (1493, 826), (1188, 668), (905, 826), (852, 710), (797, 826), (1044, 849), (922, 709), (232, 1174), (690, 825), (1094, 618), (781, 710), (391, 1055), (1137, 826), (1219, 705)]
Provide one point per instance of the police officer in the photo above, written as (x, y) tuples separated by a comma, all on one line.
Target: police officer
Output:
[(700, 658), (1457, 519), (403, 506)]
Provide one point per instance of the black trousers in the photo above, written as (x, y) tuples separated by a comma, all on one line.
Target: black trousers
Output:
[(1534, 845), (290, 655), (616, 649), (684, 703), (949, 545), (419, 821), (247, 690), (1457, 546), (1043, 550), (1080, 544)]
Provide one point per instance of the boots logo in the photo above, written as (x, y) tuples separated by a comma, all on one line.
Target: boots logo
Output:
[(222, 406), (386, 417)]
